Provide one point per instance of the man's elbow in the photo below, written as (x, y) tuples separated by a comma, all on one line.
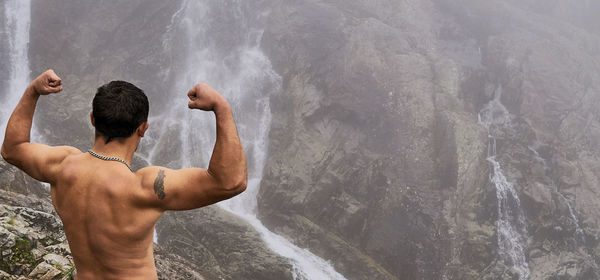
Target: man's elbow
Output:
[(241, 187), (5, 154), (11, 155), (238, 187)]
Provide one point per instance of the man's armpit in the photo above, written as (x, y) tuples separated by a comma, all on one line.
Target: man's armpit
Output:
[(159, 184)]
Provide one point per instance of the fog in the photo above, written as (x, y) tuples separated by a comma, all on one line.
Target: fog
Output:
[(386, 139)]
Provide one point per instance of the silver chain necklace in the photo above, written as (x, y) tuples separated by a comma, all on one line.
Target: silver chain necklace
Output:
[(110, 158)]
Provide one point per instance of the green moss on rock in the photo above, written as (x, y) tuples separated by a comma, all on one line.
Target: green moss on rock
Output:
[(21, 255)]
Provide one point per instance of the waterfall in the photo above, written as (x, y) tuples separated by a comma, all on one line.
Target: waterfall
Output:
[(511, 226), (218, 43), (17, 15)]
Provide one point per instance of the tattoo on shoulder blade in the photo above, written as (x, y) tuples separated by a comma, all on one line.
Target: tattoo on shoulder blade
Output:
[(159, 184)]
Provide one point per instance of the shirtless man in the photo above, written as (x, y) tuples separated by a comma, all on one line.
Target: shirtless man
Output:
[(109, 211)]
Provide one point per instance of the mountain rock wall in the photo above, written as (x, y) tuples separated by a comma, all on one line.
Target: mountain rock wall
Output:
[(377, 156)]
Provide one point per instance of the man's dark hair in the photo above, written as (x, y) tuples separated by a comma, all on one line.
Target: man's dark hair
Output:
[(119, 108)]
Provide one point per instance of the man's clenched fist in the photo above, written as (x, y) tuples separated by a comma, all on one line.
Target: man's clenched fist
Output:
[(204, 97), (46, 83)]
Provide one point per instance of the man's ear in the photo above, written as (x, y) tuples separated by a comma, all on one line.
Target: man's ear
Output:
[(142, 129), (92, 118)]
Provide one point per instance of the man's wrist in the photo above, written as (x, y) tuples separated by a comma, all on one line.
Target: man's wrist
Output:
[(31, 91), (222, 107)]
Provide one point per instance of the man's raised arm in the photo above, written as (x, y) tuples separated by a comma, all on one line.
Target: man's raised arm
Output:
[(225, 177), (37, 160)]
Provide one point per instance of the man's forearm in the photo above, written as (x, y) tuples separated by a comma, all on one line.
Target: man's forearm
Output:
[(18, 129), (228, 162)]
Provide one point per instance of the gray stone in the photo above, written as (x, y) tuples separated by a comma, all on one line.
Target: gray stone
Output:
[(44, 271)]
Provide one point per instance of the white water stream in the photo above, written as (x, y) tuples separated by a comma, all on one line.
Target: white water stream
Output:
[(17, 15), (511, 225), (218, 43)]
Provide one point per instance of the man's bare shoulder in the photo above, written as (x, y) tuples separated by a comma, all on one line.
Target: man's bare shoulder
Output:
[(60, 154), (148, 174), (152, 179), (70, 150)]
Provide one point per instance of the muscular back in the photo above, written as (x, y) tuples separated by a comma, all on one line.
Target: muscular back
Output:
[(107, 218), (108, 211)]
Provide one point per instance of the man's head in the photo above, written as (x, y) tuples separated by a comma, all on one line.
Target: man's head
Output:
[(118, 109)]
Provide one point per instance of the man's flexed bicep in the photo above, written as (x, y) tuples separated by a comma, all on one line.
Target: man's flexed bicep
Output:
[(37, 160), (226, 174), (184, 189)]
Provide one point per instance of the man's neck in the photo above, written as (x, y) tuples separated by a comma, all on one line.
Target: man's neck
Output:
[(119, 148)]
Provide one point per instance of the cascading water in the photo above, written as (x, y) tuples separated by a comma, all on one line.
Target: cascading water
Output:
[(17, 15), (511, 226), (218, 43)]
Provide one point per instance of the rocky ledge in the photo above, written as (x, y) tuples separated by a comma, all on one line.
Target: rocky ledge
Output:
[(32, 243)]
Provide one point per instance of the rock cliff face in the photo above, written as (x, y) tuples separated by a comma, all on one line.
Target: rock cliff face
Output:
[(378, 157), (94, 43)]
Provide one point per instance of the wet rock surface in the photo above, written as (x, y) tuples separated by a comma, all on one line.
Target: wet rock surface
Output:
[(220, 244)]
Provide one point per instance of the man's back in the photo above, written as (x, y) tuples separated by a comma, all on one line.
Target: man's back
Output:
[(107, 222), (108, 211)]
